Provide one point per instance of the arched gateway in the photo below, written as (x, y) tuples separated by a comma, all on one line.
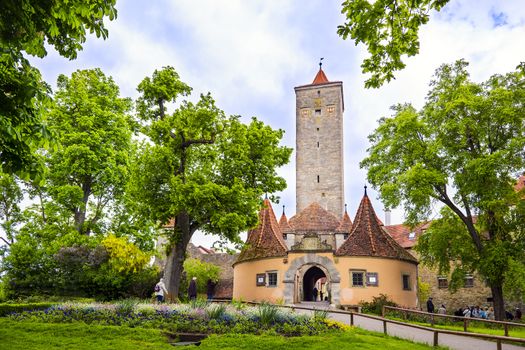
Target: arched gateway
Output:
[(300, 277)]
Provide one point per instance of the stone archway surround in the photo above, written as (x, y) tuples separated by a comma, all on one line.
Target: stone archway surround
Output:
[(311, 259)]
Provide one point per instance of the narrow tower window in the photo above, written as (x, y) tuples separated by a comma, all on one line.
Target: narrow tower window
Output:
[(317, 178), (317, 144), (317, 129), (317, 112)]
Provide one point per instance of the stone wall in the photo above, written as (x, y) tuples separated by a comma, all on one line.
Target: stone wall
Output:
[(471, 296), (319, 147)]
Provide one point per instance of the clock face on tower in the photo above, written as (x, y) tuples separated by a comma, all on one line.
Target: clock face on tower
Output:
[(317, 102)]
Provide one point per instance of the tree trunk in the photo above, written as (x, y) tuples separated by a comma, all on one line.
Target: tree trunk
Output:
[(175, 260), (80, 212), (499, 303)]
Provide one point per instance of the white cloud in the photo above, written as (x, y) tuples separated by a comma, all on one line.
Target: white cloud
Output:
[(250, 55)]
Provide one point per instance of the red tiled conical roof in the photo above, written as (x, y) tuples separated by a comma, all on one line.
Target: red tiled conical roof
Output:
[(314, 218), (346, 224), (320, 78), (283, 223), (368, 238), (266, 240)]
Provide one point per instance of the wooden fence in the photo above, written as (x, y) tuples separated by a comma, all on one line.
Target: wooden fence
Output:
[(499, 340), (431, 317)]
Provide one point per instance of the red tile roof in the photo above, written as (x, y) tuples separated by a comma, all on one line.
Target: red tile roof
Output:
[(283, 224), (266, 240), (368, 238), (346, 224), (314, 218), (402, 234), (320, 78)]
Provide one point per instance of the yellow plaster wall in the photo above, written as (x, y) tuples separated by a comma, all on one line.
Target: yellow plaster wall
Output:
[(389, 272), (390, 280), (244, 280)]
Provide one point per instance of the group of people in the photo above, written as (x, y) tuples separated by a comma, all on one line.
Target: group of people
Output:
[(486, 312), (322, 293), (161, 291)]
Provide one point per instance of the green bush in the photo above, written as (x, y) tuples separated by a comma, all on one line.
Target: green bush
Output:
[(376, 305), (8, 308), (203, 271)]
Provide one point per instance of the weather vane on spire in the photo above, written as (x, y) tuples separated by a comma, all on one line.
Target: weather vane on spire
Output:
[(321, 62)]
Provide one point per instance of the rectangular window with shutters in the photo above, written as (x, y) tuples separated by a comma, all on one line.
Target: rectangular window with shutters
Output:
[(272, 279), (358, 278), (469, 282), (406, 282), (442, 282)]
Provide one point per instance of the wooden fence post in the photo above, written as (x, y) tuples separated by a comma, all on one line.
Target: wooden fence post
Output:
[(432, 322), (436, 338), (352, 319), (465, 323), (506, 327), (498, 344), (384, 327), (383, 311)]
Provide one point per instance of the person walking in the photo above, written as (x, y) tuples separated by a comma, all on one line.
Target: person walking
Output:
[(160, 291), (324, 291), (192, 289), (314, 294), (430, 305), (210, 288)]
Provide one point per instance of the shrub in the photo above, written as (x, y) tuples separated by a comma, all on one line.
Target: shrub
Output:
[(126, 307), (8, 308), (267, 314), (215, 312), (376, 305), (203, 271)]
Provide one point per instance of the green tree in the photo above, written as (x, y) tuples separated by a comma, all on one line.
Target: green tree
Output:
[(201, 168), (389, 29), (29, 27), (464, 149), (90, 168)]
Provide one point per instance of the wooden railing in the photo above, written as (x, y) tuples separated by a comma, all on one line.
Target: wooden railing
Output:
[(498, 339), (431, 317)]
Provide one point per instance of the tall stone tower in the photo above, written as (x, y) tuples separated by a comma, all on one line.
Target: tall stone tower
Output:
[(319, 144)]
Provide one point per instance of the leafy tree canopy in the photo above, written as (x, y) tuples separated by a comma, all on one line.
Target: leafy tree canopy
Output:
[(389, 29), (90, 168), (202, 168), (464, 149), (27, 27)]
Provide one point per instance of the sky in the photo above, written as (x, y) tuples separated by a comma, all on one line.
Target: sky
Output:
[(251, 54)]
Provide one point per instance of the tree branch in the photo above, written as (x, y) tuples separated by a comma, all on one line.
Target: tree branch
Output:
[(6, 241), (468, 221)]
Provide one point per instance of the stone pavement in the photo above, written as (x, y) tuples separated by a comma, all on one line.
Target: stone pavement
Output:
[(454, 342)]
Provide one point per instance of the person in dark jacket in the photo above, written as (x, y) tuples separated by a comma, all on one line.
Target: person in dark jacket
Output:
[(192, 289), (210, 288), (430, 305)]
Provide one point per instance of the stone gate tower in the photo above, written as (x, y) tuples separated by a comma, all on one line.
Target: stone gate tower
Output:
[(319, 144)]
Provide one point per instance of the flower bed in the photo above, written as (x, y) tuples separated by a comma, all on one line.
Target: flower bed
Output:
[(190, 318)]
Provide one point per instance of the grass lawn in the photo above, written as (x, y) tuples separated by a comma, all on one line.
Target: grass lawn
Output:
[(517, 332), (39, 336)]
